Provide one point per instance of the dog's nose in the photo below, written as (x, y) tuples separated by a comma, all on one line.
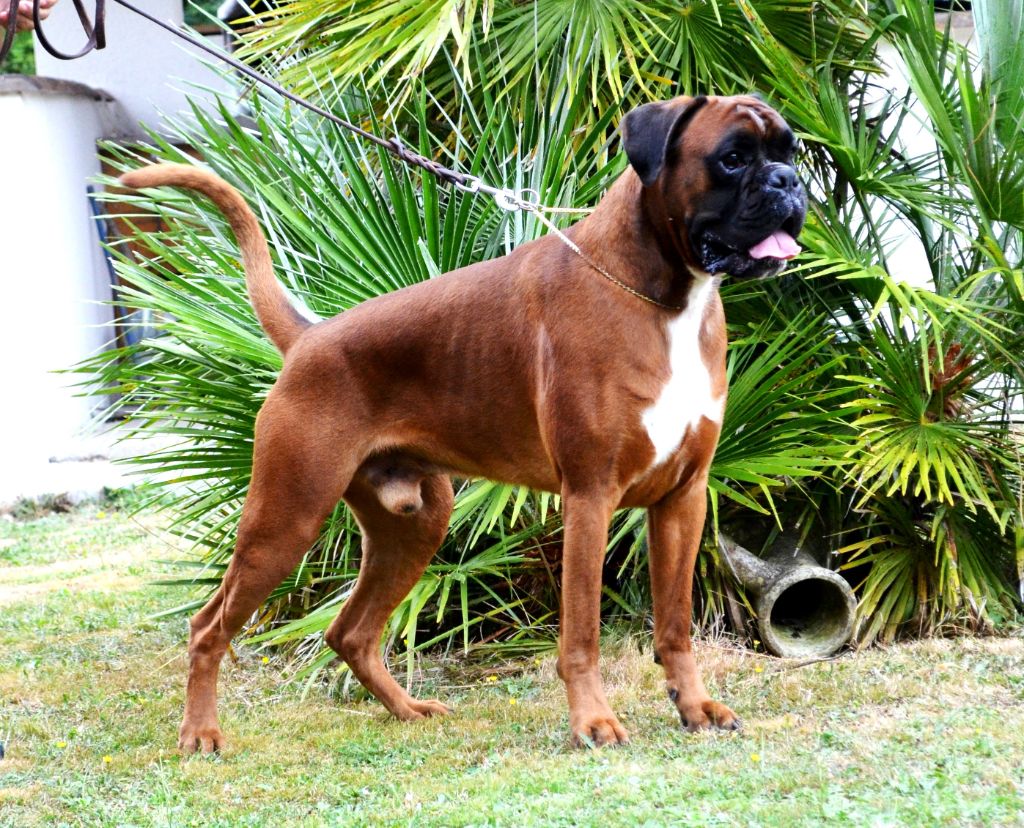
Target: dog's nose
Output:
[(783, 178)]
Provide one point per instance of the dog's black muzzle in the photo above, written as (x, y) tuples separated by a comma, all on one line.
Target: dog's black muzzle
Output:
[(771, 199)]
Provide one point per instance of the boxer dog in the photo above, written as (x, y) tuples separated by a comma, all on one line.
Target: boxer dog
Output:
[(596, 373)]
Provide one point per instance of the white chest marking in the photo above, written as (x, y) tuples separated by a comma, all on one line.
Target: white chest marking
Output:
[(686, 397)]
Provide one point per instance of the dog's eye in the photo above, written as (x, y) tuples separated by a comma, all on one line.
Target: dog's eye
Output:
[(733, 161)]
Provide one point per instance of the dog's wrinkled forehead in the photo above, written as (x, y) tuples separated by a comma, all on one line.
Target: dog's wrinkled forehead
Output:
[(764, 120), (721, 118), (654, 132)]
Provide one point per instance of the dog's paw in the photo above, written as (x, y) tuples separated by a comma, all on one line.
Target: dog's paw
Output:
[(597, 729), (706, 714), (200, 738), (416, 709)]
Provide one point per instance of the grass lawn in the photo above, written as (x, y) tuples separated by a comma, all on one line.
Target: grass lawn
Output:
[(929, 733)]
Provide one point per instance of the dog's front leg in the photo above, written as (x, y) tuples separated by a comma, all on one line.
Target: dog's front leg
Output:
[(674, 528), (586, 518)]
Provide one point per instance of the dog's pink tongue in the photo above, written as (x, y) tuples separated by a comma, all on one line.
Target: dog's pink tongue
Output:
[(779, 245)]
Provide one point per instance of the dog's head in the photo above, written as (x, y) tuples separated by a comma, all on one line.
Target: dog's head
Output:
[(721, 171)]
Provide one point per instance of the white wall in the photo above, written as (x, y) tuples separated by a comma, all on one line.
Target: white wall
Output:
[(147, 69), (52, 271), (906, 255), (53, 274)]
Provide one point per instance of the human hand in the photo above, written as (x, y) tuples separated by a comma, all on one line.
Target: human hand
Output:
[(24, 13)]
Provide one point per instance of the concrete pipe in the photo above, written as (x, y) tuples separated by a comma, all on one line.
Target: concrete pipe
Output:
[(803, 610)]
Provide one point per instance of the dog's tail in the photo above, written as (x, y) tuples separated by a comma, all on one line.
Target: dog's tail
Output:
[(282, 316)]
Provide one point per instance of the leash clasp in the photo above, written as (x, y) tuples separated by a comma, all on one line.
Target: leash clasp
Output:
[(512, 200), (506, 198), (470, 184)]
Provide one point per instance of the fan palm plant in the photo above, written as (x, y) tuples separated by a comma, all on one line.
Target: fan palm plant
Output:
[(654, 48), (877, 414)]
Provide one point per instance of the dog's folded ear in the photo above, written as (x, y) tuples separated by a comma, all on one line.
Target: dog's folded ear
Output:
[(648, 132)]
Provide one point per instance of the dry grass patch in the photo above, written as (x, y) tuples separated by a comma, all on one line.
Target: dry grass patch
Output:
[(927, 733)]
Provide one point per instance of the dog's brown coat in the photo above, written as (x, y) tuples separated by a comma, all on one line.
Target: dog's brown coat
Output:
[(530, 369)]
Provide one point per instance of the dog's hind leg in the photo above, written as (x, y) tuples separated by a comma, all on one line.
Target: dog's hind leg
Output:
[(291, 493), (396, 551)]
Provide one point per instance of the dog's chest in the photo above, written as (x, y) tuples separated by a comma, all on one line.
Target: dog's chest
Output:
[(687, 395)]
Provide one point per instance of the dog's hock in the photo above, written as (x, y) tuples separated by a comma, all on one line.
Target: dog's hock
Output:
[(803, 610)]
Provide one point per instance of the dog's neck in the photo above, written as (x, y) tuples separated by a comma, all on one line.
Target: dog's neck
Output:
[(629, 235)]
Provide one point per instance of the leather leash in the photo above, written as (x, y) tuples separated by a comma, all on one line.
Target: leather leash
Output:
[(507, 199)]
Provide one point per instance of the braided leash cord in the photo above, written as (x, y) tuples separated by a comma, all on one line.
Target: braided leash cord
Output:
[(507, 199)]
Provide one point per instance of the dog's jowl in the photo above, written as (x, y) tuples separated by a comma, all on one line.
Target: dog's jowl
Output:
[(598, 376)]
